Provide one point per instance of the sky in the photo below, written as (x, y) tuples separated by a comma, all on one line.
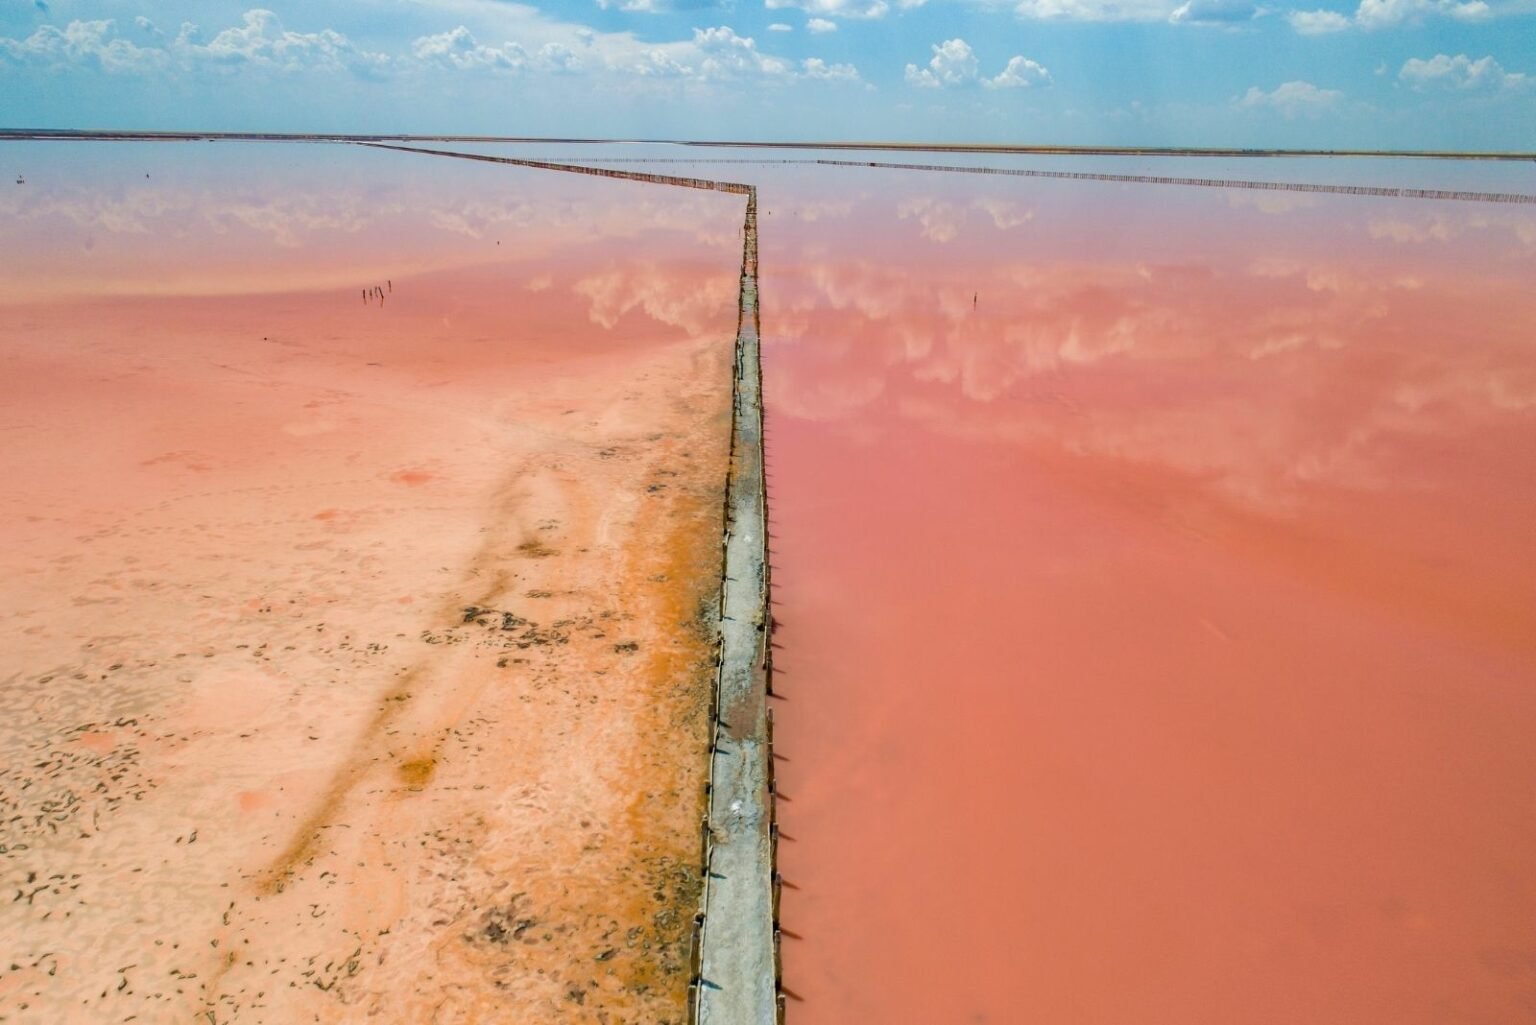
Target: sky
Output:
[(1410, 74)]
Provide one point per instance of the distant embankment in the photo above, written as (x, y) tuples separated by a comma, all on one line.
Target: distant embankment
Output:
[(709, 184), (1387, 191), (1041, 149)]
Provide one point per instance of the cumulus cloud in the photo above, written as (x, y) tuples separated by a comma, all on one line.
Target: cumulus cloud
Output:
[(1388, 13), (1020, 73), (1317, 23), (1097, 10), (1383, 14), (262, 41), (458, 48), (954, 63), (726, 55), (1214, 12), (1459, 72), (1291, 99), (720, 54), (1370, 14), (87, 44), (836, 8), (818, 26), (816, 69), (779, 26), (545, 46)]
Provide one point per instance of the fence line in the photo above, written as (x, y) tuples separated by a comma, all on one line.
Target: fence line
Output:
[(707, 184), (1220, 183)]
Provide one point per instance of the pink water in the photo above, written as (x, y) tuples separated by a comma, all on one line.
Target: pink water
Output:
[(1156, 603), (262, 760)]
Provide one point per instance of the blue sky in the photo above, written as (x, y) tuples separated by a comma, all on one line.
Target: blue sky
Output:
[(1388, 73)]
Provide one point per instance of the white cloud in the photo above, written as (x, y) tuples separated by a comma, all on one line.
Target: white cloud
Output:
[(628, 6), (1370, 14), (818, 70), (557, 57), (1459, 72), (91, 44), (1374, 14), (1021, 73), (1291, 99), (1381, 14), (835, 8), (818, 26), (728, 55), (779, 26), (458, 48), (1317, 23), (540, 46), (954, 64), (1097, 10), (1214, 12), (262, 41)]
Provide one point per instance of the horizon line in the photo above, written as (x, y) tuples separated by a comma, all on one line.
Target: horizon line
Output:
[(1035, 149)]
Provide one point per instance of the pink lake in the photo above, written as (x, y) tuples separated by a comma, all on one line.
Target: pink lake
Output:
[(356, 504), (1156, 599)]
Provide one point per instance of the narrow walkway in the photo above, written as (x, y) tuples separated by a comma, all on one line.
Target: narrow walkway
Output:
[(738, 979)]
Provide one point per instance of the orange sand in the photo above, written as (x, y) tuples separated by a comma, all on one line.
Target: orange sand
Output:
[(356, 658)]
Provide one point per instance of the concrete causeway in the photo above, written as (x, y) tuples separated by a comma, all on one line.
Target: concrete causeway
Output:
[(738, 980)]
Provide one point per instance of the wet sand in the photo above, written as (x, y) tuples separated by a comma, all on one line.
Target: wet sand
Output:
[(1153, 581), (356, 657)]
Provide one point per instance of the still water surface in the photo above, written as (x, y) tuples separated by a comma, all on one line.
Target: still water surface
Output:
[(1156, 599), (1153, 573), (353, 503)]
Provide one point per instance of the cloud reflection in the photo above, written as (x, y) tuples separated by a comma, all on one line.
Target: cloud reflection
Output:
[(312, 231), (1256, 380)]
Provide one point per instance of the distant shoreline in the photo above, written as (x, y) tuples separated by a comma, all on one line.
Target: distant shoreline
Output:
[(90, 135)]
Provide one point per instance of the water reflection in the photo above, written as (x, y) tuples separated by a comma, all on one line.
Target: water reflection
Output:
[(1157, 598), (270, 427), (319, 214)]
